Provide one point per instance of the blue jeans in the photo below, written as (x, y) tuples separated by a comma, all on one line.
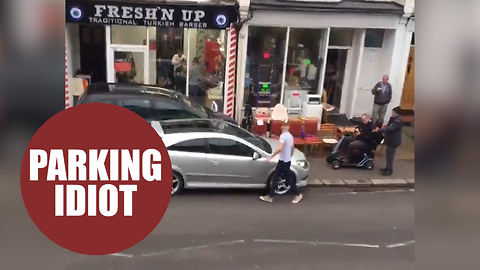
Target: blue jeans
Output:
[(283, 168)]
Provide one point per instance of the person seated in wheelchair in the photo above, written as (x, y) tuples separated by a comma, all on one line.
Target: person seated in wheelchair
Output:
[(361, 139)]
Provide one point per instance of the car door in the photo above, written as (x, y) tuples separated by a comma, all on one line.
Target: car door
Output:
[(231, 162), (190, 157)]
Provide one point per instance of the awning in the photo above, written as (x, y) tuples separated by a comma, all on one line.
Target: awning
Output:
[(354, 6)]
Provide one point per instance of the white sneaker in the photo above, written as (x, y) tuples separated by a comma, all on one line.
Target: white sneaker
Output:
[(297, 199), (266, 199)]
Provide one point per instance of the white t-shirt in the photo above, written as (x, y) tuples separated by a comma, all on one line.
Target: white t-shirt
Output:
[(176, 60), (286, 153)]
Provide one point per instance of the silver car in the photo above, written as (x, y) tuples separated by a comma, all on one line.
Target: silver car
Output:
[(211, 153)]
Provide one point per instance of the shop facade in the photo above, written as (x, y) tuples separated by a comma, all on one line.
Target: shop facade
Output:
[(136, 41), (295, 48)]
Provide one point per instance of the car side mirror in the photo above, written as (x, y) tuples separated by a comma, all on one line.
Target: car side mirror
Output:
[(256, 156)]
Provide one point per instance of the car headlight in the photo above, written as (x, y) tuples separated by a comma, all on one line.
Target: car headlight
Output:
[(302, 163)]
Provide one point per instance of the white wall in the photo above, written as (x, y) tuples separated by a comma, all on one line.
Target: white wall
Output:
[(352, 71), (391, 60)]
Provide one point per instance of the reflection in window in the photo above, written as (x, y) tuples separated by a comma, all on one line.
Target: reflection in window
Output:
[(304, 59), (374, 38), (229, 147), (341, 37), (128, 67), (195, 146), (138, 106), (265, 57)]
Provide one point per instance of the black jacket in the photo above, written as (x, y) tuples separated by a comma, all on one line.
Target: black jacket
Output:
[(393, 132), (382, 98), (365, 130)]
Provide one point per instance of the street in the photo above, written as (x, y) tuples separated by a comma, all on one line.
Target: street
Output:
[(332, 228)]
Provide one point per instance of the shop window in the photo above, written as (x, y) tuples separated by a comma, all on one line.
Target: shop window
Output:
[(164, 44), (265, 61), (207, 64), (304, 60), (127, 34), (374, 38), (341, 37), (129, 67)]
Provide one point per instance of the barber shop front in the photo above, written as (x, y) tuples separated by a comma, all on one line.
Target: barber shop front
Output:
[(177, 46)]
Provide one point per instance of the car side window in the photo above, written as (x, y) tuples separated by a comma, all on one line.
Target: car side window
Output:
[(194, 145), (139, 106), (229, 147), (169, 109)]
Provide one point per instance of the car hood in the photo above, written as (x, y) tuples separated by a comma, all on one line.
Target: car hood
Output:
[(297, 154)]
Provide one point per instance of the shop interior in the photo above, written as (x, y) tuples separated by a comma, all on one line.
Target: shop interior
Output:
[(335, 75), (173, 58)]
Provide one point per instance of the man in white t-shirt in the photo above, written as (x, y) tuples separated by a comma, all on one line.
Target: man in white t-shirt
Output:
[(177, 59), (285, 149)]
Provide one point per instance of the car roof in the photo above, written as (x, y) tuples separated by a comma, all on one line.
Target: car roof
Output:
[(129, 89), (178, 130)]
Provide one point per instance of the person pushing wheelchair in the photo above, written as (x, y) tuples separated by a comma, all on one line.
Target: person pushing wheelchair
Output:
[(361, 138)]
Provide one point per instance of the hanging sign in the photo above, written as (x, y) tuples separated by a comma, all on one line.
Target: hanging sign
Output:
[(155, 15)]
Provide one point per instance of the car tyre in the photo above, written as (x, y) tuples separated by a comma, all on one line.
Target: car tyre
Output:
[(336, 165), (280, 190), (177, 183)]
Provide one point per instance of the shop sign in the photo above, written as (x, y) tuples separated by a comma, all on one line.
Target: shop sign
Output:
[(141, 14)]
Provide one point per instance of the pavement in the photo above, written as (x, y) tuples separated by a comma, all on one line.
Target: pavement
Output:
[(332, 228), (322, 174)]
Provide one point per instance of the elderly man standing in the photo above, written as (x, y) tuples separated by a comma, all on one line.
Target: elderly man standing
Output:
[(383, 95)]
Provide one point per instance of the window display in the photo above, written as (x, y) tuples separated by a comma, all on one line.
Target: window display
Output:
[(304, 59), (265, 60)]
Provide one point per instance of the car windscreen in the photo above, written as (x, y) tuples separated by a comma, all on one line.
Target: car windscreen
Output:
[(230, 129), (193, 106)]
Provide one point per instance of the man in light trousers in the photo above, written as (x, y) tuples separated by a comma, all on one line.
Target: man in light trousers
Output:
[(382, 92)]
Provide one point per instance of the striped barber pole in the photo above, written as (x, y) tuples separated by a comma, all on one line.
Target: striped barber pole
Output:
[(67, 93), (230, 78)]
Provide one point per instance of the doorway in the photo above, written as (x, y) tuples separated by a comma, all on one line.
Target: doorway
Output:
[(93, 52), (335, 75), (408, 92)]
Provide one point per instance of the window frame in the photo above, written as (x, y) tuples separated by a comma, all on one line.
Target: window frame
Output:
[(205, 146), (230, 155)]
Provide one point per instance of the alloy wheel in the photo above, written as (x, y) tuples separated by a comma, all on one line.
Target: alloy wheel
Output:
[(175, 184), (282, 186)]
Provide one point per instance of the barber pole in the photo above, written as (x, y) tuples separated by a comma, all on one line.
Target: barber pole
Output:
[(67, 93), (230, 72)]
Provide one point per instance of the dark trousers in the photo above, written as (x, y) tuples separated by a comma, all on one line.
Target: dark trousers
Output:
[(357, 144), (283, 168), (390, 155)]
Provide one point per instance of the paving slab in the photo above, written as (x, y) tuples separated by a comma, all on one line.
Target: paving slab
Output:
[(334, 183), (411, 181), (315, 183), (389, 182), (358, 183)]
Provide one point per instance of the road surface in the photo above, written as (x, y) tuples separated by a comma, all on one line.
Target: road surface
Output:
[(329, 229)]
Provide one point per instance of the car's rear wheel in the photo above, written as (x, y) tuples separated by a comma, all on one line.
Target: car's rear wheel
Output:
[(177, 183), (282, 187)]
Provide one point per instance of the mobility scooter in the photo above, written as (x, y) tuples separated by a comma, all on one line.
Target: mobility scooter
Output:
[(360, 158)]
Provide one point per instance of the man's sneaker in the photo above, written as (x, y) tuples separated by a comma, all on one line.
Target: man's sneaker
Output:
[(266, 199), (387, 173), (298, 198)]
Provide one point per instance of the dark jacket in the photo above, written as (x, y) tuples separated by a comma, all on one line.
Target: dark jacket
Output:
[(393, 132), (382, 98), (365, 130)]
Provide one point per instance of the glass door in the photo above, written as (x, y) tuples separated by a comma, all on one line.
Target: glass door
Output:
[(128, 64)]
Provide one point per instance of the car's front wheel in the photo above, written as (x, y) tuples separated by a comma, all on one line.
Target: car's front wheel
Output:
[(177, 183), (283, 187)]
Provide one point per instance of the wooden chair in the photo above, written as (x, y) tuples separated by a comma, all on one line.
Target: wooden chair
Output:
[(259, 127), (311, 135), (296, 131), (328, 137), (275, 129)]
